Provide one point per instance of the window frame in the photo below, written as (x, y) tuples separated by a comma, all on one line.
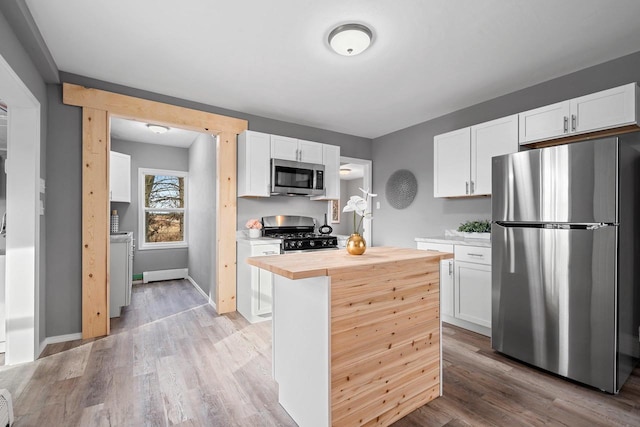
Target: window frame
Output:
[(142, 210)]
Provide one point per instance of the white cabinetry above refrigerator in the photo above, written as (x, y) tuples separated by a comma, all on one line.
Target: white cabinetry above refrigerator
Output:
[(603, 110)]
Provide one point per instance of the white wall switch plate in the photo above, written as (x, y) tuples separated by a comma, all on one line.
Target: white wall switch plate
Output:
[(377, 205), (42, 186)]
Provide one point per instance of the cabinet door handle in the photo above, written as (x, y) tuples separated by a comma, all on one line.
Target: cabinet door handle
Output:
[(270, 253), (472, 187), (574, 121), (466, 191), (566, 124), (450, 268), (476, 255)]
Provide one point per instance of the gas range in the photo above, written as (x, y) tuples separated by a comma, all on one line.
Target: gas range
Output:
[(297, 233)]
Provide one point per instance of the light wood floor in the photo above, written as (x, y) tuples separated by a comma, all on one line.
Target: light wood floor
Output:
[(172, 361)]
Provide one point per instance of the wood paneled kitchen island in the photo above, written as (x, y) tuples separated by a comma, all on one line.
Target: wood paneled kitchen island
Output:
[(356, 339)]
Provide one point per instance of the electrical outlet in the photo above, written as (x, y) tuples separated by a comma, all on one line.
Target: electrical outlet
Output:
[(377, 205)]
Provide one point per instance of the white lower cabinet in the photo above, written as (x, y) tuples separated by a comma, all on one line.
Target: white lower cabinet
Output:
[(254, 285), (120, 272), (473, 293), (465, 285)]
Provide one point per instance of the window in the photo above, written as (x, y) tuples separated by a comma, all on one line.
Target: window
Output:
[(163, 217)]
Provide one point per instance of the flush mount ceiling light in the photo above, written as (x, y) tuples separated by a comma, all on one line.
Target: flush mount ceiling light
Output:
[(345, 171), (157, 128), (350, 39)]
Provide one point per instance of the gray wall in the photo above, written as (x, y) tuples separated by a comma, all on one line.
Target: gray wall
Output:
[(156, 157), (202, 212), (14, 53), (64, 217), (412, 149)]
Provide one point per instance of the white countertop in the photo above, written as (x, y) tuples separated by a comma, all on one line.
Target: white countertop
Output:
[(455, 238), (122, 236)]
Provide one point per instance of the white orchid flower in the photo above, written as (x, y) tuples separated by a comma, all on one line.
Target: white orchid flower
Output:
[(356, 204), (366, 193), (359, 205)]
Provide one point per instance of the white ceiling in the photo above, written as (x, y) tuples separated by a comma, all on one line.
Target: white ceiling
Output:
[(271, 58), (134, 131)]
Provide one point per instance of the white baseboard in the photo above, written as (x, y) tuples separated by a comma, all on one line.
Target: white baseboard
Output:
[(154, 276), (57, 339), (199, 289)]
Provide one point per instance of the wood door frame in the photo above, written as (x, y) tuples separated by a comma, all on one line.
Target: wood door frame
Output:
[(98, 106)]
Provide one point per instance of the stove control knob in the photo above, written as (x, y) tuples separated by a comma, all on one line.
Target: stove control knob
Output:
[(324, 243), (312, 243), (299, 243)]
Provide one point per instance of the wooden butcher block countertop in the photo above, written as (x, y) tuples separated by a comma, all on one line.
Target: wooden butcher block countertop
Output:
[(327, 263)]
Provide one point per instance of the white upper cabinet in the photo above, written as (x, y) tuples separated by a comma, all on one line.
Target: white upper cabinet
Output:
[(311, 152), (331, 162), (488, 140), (120, 177), (607, 109), (285, 148), (296, 150), (451, 163), (550, 121), (604, 110), (462, 158), (254, 167)]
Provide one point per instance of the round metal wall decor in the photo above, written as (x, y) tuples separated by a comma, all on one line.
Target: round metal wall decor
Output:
[(401, 189)]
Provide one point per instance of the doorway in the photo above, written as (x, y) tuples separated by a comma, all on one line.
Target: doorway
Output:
[(354, 174), (22, 276), (168, 206)]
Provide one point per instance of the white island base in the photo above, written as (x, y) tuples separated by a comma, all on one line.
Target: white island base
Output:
[(356, 339), (301, 348)]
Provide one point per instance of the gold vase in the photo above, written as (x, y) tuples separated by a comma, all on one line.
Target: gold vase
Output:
[(356, 245)]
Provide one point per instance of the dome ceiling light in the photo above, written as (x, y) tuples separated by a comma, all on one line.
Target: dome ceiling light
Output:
[(350, 39), (157, 128)]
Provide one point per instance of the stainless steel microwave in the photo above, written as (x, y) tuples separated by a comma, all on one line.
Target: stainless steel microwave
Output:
[(296, 178)]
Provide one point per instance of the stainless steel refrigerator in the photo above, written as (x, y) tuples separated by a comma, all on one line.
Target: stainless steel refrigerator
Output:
[(565, 259)]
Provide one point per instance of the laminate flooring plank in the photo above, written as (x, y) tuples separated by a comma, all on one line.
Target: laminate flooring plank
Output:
[(148, 406), (171, 360), (95, 416)]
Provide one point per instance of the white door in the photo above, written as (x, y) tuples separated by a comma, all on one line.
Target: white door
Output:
[(548, 122), (473, 293), (451, 163), (446, 287), (263, 287), (603, 110), (490, 139), (283, 147), (310, 152)]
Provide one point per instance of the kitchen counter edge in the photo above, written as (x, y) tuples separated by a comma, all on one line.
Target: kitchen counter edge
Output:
[(452, 240), (325, 263)]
